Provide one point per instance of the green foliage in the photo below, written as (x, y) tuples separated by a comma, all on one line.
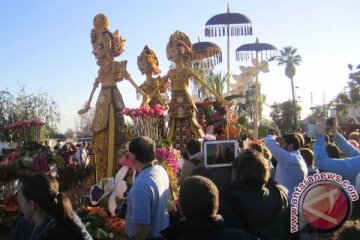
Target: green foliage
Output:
[(249, 106), (288, 56), (354, 84), (243, 120), (282, 114), (164, 143), (216, 81)]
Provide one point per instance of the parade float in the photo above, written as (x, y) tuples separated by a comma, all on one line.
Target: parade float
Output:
[(98, 190)]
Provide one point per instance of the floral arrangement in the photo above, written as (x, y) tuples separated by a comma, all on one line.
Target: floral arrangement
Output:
[(8, 169), (146, 120), (100, 224), (211, 112), (9, 204), (26, 130), (127, 161), (168, 157), (74, 174)]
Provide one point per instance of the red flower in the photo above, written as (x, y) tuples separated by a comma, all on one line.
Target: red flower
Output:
[(217, 116)]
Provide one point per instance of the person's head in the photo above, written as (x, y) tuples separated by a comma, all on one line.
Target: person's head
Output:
[(257, 147), (143, 149), (308, 156), (179, 45), (349, 231), (148, 62), (354, 136), (250, 168), (266, 152), (39, 196), (307, 141), (333, 151), (291, 142), (198, 197), (193, 146), (351, 120), (184, 154), (301, 138)]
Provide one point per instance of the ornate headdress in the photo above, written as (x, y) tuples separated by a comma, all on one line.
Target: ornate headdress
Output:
[(113, 42), (181, 39), (151, 58)]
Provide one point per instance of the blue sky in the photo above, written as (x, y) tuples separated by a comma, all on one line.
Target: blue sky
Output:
[(45, 45)]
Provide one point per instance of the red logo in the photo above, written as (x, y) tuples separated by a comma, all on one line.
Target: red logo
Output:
[(326, 205)]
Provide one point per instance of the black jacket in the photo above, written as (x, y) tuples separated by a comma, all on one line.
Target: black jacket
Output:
[(261, 212), (204, 228)]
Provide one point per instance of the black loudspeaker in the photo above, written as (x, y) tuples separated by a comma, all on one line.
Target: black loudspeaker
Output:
[(221, 176)]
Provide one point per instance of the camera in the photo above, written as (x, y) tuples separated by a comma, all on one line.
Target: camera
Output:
[(330, 122)]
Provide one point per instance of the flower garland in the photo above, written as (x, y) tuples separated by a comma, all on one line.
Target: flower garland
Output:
[(146, 120)]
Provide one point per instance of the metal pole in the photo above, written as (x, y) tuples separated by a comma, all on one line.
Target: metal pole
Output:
[(256, 133), (228, 58), (294, 103)]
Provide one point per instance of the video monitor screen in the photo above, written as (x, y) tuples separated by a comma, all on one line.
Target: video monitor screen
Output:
[(220, 153)]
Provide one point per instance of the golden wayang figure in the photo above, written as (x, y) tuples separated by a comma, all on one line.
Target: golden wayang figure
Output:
[(108, 124), (148, 65), (183, 125)]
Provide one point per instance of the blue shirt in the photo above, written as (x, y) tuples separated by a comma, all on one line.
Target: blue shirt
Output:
[(291, 168), (345, 146), (147, 201), (348, 168)]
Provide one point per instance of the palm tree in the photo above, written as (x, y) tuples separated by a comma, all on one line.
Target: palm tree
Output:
[(216, 81), (290, 59)]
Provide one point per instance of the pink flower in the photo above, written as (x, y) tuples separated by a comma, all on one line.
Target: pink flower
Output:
[(132, 113), (127, 161), (126, 111), (158, 112), (166, 156), (145, 109), (14, 155)]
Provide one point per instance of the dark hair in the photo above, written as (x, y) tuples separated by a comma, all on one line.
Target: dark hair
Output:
[(294, 139), (43, 190), (199, 197), (258, 148), (143, 148), (307, 141), (349, 231), (308, 156), (250, 168), (266, 152), (193, 146), (353, 136), (333, 151), (301, 138), (184, 154)]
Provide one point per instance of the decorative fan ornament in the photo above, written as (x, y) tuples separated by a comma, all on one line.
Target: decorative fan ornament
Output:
[(116, 187)]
